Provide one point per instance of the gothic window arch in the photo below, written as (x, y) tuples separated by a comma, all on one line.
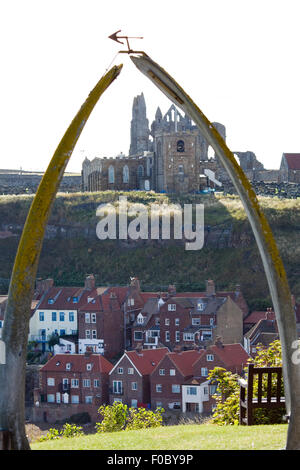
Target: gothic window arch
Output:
[(111, 174), (140, 171), (125, 174), (180, 146)]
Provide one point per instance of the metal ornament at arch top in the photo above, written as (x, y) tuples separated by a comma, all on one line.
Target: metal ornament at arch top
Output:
[(274, 269)]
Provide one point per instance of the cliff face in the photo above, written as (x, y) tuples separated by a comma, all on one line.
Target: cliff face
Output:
[(229, 255)]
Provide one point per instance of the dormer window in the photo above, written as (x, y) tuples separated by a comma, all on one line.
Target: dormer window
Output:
[(89, 367), (140, 319), (130, 301), (75, 300), (172, 307), (50, 301), (200, 306), (68, 366)]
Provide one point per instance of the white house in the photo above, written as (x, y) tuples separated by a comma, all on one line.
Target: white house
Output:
[(193, 395)]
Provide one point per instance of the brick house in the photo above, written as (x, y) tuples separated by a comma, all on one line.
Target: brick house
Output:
[(129, 380), (264, 332), (168, 377), (70, 384), (190, 319), (101, 322), (180, 380)]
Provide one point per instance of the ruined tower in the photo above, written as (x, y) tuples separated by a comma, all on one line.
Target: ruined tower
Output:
[(139, 130)]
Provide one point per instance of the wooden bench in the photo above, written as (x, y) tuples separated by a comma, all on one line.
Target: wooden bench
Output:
[(248, 402)]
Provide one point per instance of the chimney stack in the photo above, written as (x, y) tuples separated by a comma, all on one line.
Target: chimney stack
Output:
[(88, 352), (219, 342), (172, 290), (89, 282), (210, 287), (42, 285)]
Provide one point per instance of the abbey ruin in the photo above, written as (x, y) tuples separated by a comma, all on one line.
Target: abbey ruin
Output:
[(171, 156)]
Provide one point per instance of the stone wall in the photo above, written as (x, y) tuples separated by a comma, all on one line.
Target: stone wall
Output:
[(282, 190), (27, 183)]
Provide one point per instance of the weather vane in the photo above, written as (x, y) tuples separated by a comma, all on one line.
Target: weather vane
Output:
[(116, 38)]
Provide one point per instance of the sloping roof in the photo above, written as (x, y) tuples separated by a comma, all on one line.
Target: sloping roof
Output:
[(230, 354), (262, 326), (292, 160), (147, 359), (184, 360), (255, 316), (58, 363)]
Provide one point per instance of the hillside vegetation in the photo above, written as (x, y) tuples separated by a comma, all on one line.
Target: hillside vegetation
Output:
[(229, 256)]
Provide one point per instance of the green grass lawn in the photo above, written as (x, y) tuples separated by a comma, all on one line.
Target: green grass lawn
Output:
[(185, 437)]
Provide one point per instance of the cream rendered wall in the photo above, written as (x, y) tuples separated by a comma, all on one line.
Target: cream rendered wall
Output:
[(35, 325)]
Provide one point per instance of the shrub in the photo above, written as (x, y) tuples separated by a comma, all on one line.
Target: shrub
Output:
[(71, 430), (50, 436), (114, 417), (118, 417), (141, 418)]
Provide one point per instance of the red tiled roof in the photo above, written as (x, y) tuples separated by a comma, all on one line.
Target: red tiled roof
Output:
[(254, 317), (58, 363), (147, 359), (293, 160), (231, 354), (184, 360), (60, 295)]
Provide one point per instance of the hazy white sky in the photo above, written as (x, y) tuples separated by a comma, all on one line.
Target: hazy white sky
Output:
[(237, 59)]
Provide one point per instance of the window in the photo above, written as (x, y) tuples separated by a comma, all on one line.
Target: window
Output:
[(134, 403), (162, 371), (140, 171), (50, 381), (138, 335), (117, 386), (96, 383), (175, 388), (75, 300), (180, 169), (157, 322), (87, 318), (65, 384), (68, 366), (50, 301), (172, 372), (211, 322), (158, 388), (171, 307), (167, 321), (191, 390), (86, 383), (140, 319), (87, 334), (158, 404), (120, 370), (177, 336), (94, 334), (74, 383), (130, 370), (57, 397), (74, 398), (62, 332), (204, 371), (195, 321), (177, 321), (111, 174), (188, 336), (205, 391), (88, 399), (125, 174), (54, 316), (93, 318), (167, 336), (71, 316), (61, 316), (89, 367), (1, 323), (50, 398), (133, 385), (200, 306), (41, 316), (210, 357), (180, 146)]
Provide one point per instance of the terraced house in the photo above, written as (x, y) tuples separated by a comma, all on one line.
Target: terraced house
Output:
[(71, 384)]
